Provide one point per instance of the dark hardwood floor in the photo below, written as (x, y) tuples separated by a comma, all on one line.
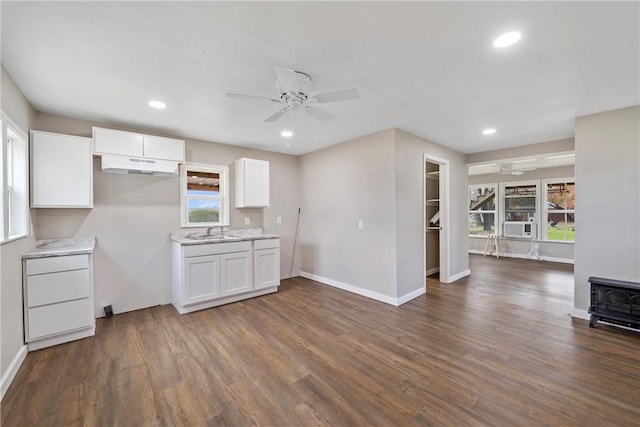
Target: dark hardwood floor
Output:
[(496, 348)]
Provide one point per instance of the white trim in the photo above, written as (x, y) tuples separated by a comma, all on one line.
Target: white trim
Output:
[(524, 256), (8, 376), (431, 271), (580, 314), (411, 295), (350, 288), (458, 276)]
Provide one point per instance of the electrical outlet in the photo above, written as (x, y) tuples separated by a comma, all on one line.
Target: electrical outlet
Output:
[(361, 225), (247, 220), (278, 219)]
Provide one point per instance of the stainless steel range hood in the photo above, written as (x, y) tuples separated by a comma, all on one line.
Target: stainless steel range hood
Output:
[(138, 165)]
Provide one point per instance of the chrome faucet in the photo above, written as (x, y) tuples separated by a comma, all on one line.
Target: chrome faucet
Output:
[(222, 230), (209, 231)]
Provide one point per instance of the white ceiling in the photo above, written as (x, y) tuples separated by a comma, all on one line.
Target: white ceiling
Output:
[(426, 67)]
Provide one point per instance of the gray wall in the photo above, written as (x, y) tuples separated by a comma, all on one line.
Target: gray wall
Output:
[(15, 105), (519, 247), (133, 216), (409, 164), (379, 179), (608, 170), (341, 185)]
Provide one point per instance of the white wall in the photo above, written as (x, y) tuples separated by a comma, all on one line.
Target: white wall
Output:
[(608, 222), (341, 185), (554, 251), (15, 105), (133, 216)]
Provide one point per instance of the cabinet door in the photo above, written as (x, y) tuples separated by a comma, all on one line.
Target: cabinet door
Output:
[(110, 141), (201, 279), (252, 183), (235, 273), (156, 147), (267, 268), (61, 171)]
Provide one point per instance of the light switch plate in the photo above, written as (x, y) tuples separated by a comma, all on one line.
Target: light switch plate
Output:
[(361, 225), (247, 220), (278, 219)]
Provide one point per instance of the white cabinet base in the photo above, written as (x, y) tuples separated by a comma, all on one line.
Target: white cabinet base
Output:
[(62, 338), (221, 301)]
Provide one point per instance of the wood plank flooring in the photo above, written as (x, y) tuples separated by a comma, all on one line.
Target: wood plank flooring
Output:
[(496, 348)]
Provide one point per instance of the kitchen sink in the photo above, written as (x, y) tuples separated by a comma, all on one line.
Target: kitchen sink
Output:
[(210, 237)]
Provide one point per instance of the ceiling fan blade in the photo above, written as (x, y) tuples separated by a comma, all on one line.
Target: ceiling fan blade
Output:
[(275, 116), (252, 97), (286, 79), (525, 169), (516, 172), (337, 96), (319, 114)]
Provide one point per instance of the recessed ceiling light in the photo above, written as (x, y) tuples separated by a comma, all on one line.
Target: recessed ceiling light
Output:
[(286, 134), (157, 104), (489, 131), (507, 39)]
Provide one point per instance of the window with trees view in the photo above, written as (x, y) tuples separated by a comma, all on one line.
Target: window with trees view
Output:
[(520, 201), (482, 209), (560, 209), (204, 195)]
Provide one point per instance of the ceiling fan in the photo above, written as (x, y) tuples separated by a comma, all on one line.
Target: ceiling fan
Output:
[(507, 169), (293, 89)]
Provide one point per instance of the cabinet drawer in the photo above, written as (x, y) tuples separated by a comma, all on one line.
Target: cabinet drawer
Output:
[(57, 287), (215, 248), (57, 318), (266, 244), (57, 263)]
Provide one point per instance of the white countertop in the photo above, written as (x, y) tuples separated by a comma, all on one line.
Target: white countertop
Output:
[(232, 235), (61, 247)]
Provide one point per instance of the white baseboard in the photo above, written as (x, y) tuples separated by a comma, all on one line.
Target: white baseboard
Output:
[(524, 256), (458, 276), (8, 376), (411, 295), (580, 314), (364, 292)]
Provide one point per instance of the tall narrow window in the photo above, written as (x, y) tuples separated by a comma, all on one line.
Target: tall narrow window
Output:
[(560, 210), (204, 195), (15, 194), (482, 209)]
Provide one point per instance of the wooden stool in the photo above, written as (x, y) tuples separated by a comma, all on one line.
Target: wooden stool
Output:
[(493, 244)]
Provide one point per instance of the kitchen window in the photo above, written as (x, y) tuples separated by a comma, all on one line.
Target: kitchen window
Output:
[(15, 194), (482, 209), (204, 195), (560, 210)]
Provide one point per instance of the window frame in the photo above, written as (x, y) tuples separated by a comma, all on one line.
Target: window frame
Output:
[(545, 210), (496, 219), (223, 172), (7, 124), (536, 215)]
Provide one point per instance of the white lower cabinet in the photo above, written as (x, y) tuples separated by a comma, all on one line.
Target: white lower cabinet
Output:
[(211, 274), (58, 299), (266, 261)]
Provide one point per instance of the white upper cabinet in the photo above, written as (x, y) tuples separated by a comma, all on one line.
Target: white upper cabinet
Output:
[(157, 147), (251, 183), (111, 141), (61, 171)]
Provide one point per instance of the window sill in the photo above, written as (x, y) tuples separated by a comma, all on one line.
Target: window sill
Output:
[(13, 239)]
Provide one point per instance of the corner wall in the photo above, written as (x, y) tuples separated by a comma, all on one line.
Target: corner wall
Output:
[(608, 222), (12, 349)]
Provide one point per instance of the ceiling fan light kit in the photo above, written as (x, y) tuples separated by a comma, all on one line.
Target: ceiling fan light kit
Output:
[(293, 88)]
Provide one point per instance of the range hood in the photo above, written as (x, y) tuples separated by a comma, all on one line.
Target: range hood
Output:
[(138, 165)]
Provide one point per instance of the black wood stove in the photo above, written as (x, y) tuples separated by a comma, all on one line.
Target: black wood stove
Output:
[(615, 301)]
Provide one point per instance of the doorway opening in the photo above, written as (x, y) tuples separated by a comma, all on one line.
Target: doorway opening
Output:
[(436, 218)]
